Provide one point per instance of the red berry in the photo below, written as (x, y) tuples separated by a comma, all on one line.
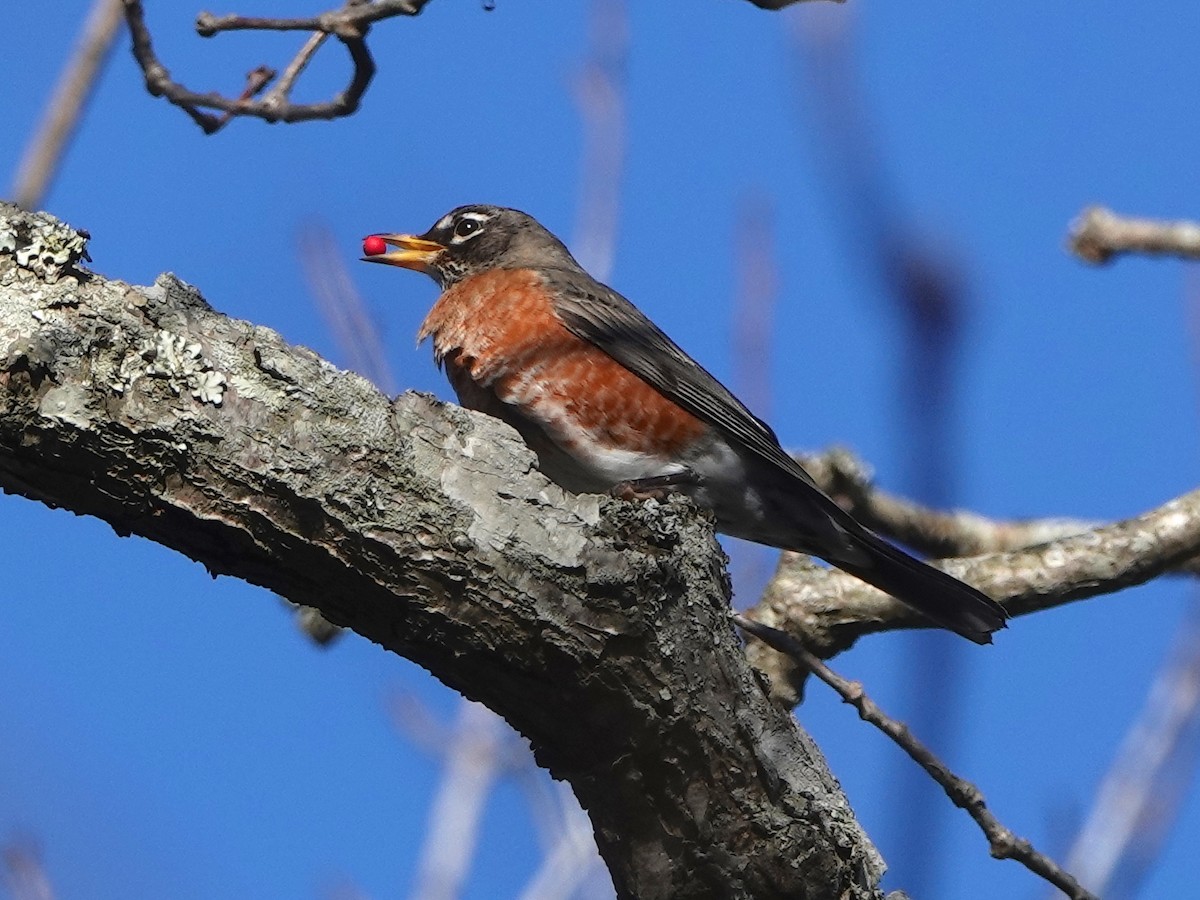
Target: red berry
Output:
[(373, 245)]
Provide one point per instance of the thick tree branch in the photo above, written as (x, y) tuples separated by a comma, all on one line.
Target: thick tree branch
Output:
[(598, 628)]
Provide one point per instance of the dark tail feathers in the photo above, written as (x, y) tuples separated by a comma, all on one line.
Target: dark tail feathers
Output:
[(939, 597)]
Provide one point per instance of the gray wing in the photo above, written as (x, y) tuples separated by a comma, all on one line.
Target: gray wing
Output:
[(603, 317)]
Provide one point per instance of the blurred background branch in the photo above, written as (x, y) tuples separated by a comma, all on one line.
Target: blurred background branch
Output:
[(50, 140), (24, 874), (1138, 800), (753, 333), (599, 91), (925, 302)]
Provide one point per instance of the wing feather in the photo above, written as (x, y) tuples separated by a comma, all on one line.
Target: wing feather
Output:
[(603, 317)]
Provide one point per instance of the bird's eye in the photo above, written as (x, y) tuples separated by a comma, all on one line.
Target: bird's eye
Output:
[(466, 228)]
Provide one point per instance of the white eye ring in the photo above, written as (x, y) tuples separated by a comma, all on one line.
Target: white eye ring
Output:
[(467, 226)]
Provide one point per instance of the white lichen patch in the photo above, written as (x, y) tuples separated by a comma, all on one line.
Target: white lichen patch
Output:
[(180, 363), (209, 387), (256, 389), (67, 403), (8, 237), (42, 245)]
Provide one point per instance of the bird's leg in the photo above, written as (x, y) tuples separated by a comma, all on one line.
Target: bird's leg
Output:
[(656, 487)]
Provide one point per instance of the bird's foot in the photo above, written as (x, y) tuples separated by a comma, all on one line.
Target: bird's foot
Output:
[(657, 487)]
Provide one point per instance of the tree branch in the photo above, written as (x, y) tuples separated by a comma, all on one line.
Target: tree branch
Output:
[(599, 629), (1099, 234), (349, 24), (828, 610)]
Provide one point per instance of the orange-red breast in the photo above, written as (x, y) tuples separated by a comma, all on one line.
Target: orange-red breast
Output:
[(605, 398)]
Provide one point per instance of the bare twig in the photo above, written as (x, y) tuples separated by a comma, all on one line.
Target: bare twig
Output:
[(933, 532), (283, 87), (350, 20), (45, 150), (349, 24), (1099, 234), (1002, 842), (256, 80)]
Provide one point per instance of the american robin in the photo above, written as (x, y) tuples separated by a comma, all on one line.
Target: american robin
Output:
[(605, 399)]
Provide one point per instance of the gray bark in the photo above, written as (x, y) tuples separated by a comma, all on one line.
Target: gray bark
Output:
[(599, 629)]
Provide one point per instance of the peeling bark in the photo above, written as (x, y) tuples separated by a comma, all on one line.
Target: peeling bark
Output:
[(599, 629)]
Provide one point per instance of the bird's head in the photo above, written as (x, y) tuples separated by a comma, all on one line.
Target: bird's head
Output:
[(470, 240)]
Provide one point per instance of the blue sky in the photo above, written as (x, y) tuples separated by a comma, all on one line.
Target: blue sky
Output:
[(165, 734)]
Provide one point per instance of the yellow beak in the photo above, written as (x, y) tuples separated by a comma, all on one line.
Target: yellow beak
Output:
[(412, 252)]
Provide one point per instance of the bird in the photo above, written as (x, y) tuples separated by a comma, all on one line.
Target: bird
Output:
[(609, 403)]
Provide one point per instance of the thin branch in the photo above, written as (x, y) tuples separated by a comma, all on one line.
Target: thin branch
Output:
[(256, 80), (1002, 842), (351, 19), (937, 533), (283, 87), (349, 24), (1099, 235), (45, 150)]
